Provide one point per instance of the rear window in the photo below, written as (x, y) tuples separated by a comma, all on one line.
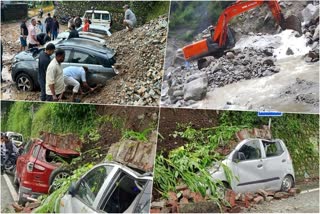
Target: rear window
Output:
[(272, 148)]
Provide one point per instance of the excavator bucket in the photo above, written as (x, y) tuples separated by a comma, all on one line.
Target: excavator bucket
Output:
[(294, 23)]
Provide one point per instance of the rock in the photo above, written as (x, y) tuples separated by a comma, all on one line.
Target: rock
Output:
[(316, 34), (308, 13), (172, 196), (268, 61), (269, 198), (178, 93), (289, 52), (258, 199), (268, 51), (158, 204), (184, 201), (308, 35), (196, 89), (280, 195), (186, 193), (263, 193), (155, 210), (230, 55)]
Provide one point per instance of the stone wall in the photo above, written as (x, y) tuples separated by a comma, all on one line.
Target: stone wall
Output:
[(13, 11)]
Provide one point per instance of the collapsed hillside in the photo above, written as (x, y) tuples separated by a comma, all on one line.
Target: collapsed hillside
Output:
[(140, 57)]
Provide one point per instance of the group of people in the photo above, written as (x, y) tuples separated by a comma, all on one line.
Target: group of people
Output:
[(29, 33), (53, 79)]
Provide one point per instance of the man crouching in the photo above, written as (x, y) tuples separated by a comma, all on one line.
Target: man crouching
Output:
[(72, 77)]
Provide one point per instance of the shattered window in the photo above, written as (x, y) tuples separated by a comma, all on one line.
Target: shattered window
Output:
[(124, 196), (251, 150), (92, 183), (272, 148)]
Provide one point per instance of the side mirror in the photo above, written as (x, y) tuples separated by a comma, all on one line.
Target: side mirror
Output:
[(72, 189)]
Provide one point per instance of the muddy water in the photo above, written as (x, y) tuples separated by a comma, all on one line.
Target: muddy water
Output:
[(264, 93)]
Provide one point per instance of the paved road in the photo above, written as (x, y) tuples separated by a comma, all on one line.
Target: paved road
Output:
[(302, 203), (6, 198)]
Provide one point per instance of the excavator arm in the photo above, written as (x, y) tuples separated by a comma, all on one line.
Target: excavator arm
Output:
[(207, 46)]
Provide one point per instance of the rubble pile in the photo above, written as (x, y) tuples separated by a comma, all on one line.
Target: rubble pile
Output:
[(188, 201), (185, 85), (140, 58), (310, 15)]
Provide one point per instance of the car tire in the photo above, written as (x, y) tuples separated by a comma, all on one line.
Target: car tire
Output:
[(24, 82), (55, 174), (15, 178), (287, 183), (21, 200)]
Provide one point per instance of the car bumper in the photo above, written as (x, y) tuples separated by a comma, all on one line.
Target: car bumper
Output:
[(27, 192)]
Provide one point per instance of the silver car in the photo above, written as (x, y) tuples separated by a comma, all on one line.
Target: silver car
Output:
[(257, 164), (109, 187)]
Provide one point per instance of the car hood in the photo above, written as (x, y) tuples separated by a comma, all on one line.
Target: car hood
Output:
[(26, 55)]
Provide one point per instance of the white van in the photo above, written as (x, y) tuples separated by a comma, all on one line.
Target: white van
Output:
[(257, 164), (98, 17)]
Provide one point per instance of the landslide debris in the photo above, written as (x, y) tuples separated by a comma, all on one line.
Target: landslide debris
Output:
[(140, 58)]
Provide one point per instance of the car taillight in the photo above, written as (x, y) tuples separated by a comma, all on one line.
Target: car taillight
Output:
[(31, 166)]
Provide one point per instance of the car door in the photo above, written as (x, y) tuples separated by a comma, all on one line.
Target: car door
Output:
[(98, 74), (275, 164), (250, 167), (90, 189), (23, 159)]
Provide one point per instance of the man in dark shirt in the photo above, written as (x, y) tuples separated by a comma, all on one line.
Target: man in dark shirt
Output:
[(73, 33), (77, 22), (54, 28), (23, 35), (44, 60), (48, 23)]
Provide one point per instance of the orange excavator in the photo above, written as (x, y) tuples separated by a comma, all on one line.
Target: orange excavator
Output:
[(222, 37)]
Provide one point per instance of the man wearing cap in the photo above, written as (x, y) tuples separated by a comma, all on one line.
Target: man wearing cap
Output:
[(129, 18), (44, 61)]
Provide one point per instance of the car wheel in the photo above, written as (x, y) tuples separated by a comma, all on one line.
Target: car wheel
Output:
[(55, 175), (21, 200), (287, 183), (24, 82), (15, 178)]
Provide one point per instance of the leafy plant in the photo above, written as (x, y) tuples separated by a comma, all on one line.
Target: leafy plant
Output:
[(139, 136)]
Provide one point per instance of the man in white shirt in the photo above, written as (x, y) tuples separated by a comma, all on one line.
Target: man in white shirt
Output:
[(129, 18), (72, 77), (54, 77), (32, 34)]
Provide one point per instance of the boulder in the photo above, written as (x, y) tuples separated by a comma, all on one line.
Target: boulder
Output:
[(196, 89), (289, 51), (309, 12), (316, 34), (230, 55)]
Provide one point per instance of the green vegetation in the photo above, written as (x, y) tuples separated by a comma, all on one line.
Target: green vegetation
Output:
[(194, 17), (188, 164), (139, 136), (31, 118)]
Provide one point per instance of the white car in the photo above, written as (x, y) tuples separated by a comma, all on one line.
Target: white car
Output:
[(83, 35), (109, 187), (257, 164), (98, 17)]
